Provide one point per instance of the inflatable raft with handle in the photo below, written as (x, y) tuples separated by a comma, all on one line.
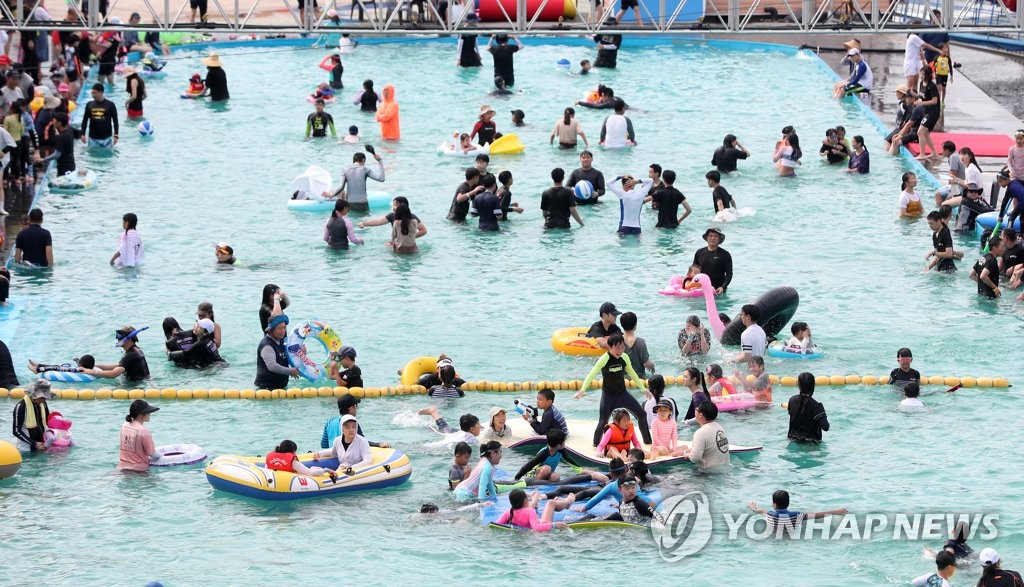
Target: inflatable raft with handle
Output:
[(247, 476), (574, 341)]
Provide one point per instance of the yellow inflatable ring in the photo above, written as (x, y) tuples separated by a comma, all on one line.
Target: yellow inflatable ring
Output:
[(416, 368), (574, 341)]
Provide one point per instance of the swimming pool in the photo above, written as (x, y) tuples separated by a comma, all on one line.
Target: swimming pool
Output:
[(491, 301)]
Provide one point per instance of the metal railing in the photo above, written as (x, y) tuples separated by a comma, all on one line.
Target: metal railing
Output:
[(524, 17)]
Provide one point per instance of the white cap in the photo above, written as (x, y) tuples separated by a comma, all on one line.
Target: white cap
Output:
[(988, 557), (207, 325), (347, 418), (854, 51)]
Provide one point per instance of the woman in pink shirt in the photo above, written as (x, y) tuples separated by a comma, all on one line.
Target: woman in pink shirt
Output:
[(523, 514), (137, 449)]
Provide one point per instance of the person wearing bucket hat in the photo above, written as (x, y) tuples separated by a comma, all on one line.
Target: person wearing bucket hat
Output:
[(714, 261), (216, 79), (133, 363), (503, 53), (496, 427), (992, 575), (137, 448), (31, 415), (272, 367), (485, 126), (136, 90)]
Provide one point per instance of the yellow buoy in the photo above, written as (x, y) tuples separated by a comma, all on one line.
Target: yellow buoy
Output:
[(308, 392), (1000, 382), (951, 381), (184, 394), (86, 394), (152, 393), (17, 393), (968, 381), (869, 380), (136, 394), (936, 380), (68, 394), (984, 382), (357, 392), (837, 380), (103, 394), (200, 393), (247, 394), (170, 393), (785, 405), (325, 391), (354, 391), (821, 380), (4, 392), (221, 393), (788, 381), (884, 380), (773, 379), (853, 379), (264, 394), (120, 394), (373, 392), (10, 460)]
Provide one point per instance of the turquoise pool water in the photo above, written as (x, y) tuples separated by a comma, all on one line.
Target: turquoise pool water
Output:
[(491, 301)]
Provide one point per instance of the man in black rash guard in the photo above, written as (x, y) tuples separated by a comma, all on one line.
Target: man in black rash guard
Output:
[(64, 150), (503, 53), (614, 366), (607, 50), (99, 123), (467, 190), (725, 157), (606, 326), (714, 261), (199, 350), (587, 172), (318, 122)]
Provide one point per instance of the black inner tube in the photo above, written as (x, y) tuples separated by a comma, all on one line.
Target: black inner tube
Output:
[(777, 307)]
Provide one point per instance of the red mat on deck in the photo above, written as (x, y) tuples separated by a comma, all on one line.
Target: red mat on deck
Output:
[(982, 145)]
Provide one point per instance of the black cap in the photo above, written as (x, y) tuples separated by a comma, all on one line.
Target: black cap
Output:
[(347, 401), (347, 351), (519, 114), (608, 308), (140, 407)]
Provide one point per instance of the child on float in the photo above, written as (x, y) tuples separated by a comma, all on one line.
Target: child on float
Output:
[(151, 63), (523, 512), (196, 85), (58, 433), (480, 483), (761, 386), (547, 459), (460, 469), (618, 436), (635, 507), (664, 431), (718, 384), (497, 429), (323, 92), (351, 449), (283, 458), (801, 338), (81, 365), (656, 389), (689, 281)]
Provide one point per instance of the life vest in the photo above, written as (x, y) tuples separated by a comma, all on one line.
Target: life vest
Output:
[(620, 439), (196, 87), (727, 386), (280, 461), (30, 415), (764, 395)]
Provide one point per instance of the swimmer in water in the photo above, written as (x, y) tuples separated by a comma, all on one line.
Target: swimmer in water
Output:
[(225, 254), (353, 135), (318, 122), (910, 201), (324, 91), (585, 67), (499, 87)]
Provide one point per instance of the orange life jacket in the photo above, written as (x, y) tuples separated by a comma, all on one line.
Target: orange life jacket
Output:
[(280, 461), (621, 439)]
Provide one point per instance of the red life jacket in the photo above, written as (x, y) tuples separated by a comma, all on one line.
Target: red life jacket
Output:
[(280, 461), (727, 385), (621, 440)]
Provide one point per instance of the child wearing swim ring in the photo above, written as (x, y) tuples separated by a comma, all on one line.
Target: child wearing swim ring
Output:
[(523, 513), (196, 87), (689, 282), (58, 433), (323, 92), (801, 339)]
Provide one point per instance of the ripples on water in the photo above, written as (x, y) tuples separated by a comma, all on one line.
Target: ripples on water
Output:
[(491, 301)]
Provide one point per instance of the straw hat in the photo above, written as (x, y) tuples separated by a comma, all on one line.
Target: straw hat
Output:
[(51, 102), (213, 60), (852, 44), (485, 109)]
